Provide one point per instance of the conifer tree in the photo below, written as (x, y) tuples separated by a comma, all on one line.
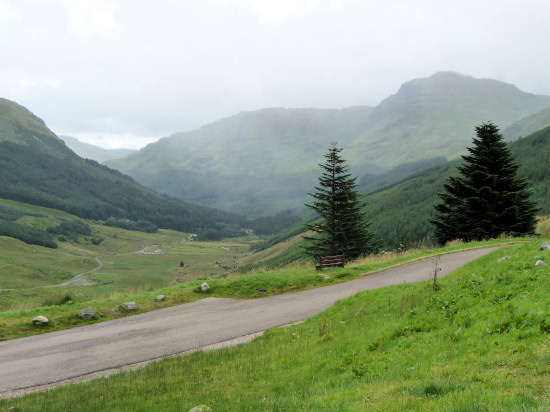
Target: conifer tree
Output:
[(342, 227), (487, 198)]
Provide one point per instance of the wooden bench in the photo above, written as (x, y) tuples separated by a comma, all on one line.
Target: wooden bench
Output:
[(331, 261)]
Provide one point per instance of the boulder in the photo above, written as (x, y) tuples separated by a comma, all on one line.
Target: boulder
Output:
[(130, 305), (160, 298), (540, 263), (200, 408), (545, 248), (87, 313), (204, 287), (41, 320)]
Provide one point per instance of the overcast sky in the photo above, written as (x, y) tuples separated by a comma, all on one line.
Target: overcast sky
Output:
[(122, 73)]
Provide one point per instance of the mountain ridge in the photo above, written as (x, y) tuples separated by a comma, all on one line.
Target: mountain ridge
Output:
[(36, 167), (265, 161)]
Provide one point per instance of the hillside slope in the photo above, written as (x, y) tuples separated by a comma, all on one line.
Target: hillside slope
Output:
[(400, 213), (528, 125), (36, 167), (265, 161), (256, 163)]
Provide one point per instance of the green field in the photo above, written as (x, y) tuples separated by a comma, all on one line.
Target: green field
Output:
[(168, 258), (480, 342)]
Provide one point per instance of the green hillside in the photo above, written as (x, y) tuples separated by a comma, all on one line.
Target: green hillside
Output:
[(262, 162), (400, 213), (20, 126), (117, 261), (37, 168), (528, 125)]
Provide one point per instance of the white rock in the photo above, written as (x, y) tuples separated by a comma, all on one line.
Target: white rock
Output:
[(130, 305), (204, 287), (87, 313), (40, 320), (160, 298), (540, 263)]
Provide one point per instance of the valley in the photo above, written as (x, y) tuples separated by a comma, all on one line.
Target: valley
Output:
[(124, 261), (77, 234)]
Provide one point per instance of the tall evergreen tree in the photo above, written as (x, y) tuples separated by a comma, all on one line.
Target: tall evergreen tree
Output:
[(487, 198), (342, 227)]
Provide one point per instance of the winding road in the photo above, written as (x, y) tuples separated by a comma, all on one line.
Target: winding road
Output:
[(44, 361)]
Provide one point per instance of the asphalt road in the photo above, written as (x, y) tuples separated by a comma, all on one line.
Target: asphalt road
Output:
[(49, 360)]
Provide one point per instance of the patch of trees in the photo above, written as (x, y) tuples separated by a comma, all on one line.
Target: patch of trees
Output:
[(487, 198), (220, 231), (27, 234), (139, 226), (11, 214), (272, 225), (70, 228)]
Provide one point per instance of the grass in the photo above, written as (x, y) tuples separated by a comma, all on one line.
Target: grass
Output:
[(479, 343), (27, 270), (106, 300)]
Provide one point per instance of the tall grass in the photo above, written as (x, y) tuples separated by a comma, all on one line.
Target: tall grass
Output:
[(543, 226)]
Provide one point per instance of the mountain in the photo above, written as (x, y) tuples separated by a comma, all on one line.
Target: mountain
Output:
[(435, 116), (259, 163), (36, 167), (256, 163), (528, 125), (89, 151), (19, 125)]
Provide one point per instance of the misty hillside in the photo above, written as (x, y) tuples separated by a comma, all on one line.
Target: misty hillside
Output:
[(37, 168), (528, 125), (255, 163), (435, 116), (89, 151), (262, 162)]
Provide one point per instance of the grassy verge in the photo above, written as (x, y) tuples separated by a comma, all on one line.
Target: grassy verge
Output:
[(480, 342), (65, 303)]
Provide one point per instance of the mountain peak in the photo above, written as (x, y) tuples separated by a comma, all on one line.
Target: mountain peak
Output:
[(19, 125)]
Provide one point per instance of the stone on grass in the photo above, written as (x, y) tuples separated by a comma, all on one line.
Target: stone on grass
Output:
[(324, 276), (87, 313), (200, 408), (130, 305), (545, 248), (40, 320), (160, 298), (204, 287), (502, 259), (540, 263)]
